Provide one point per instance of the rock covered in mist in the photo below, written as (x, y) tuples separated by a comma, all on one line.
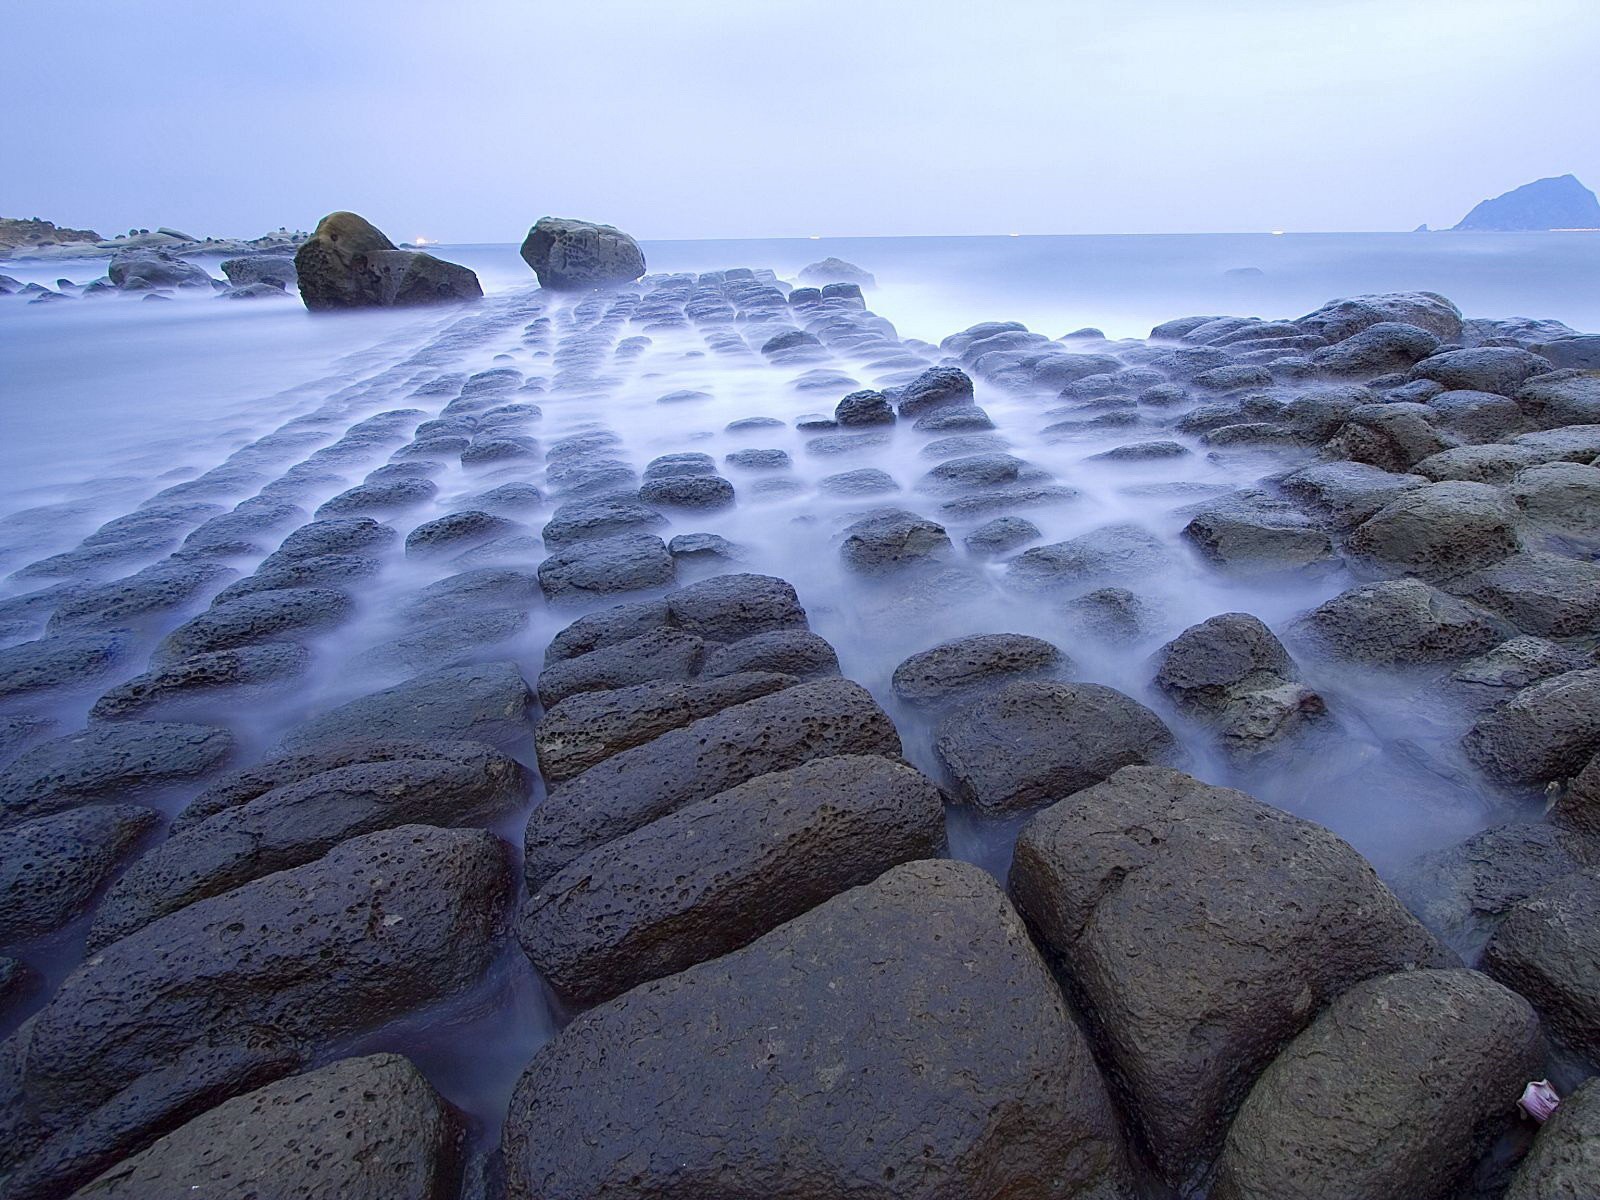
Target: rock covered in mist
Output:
[(570, 255), (348, 263), (836, 270), (144, 270)]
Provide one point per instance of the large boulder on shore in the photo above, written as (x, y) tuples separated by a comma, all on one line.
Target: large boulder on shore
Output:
[(569, 255), (147, 269), (1436, 532), (264, 974), (1339, 319), (903, 1039), (1395, 1090), (1202, 930), (348, 263), (360, 1129)]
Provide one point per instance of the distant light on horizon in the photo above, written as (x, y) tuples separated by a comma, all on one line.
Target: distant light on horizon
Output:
[(816, 237), (419, 240), (1277, 233)]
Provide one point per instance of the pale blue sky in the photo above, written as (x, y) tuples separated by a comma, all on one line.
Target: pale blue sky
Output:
[(466, 121)]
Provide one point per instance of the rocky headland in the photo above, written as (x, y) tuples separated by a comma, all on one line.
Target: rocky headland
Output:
[(827, 903), (1560, 202)]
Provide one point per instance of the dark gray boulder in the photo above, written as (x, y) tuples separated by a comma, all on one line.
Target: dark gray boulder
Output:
[(1547, 731), (299, 823), (717, 874), (274, 269), (589, 727), (1177, 907), (1252, 534), (572, 255), (315, 570), (606, 566), (142, 598), (409, 915), (275, 616), (59, 662), (202, 680), (891, 540), (937, 387), (149, 268), (835, 270), (585, 520), (348, 263), (1396, 1089), (688, 491), (1548, 949), (864, 408), (1401, 622), (1541, 593), (1000, 536), (1111, 554), (660, 655), (1564, 398), (360, 1129), (1033, 742), (1499, 369), (1347, 493), (1376, 350), (797, 652), (1392, 436), (1561, 497), (886, 1079), (1339, 319), (1497, 675), (1478, 417), (484, 702), (385, 495), (107, 763), (958, 669), (773, 733), (51, 868), (1436, 532), (726, 608), (456, 532), (1565, 1159), (478, 588)]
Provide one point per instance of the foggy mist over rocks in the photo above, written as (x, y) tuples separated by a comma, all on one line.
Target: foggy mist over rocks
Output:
[(693, 120)]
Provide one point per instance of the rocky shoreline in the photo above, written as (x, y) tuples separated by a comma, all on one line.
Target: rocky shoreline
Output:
[(596, 738)]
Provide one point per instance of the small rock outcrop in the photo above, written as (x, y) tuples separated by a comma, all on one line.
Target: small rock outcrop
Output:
[(569, 255)]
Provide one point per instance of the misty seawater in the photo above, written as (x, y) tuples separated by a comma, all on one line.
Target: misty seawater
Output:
[(108, 403)]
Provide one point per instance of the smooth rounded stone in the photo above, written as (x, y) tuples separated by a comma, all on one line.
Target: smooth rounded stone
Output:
[(1000, 536), (333, 535), (975, 471), (147, 267), (892, 539), (1339, 319), (712, 754), (1110, 614), (348, 263), (1256, 535), (966, 444), (271, 616), (1548, 949), (1566, 397), (864, 408), (203, 680), (1393, 436), (589, 727), (1478, 416), (813, 422), (241, 531), (797, 652), (834, 445), (1032, 742), (1113, 552), (456, 531), (957, 670), (1169, 901), (508, 497), (607, 627), (318, 570), (727, 608), (473, 590), (745, 424), (1493, 677), (1463, 891), (864, 481), (658, 655), (61, 661), (1546, 594), (1495, 463), (759, 460), (671, 465), (1232, 377), (821, 380), (572, 255), (606, 566), (1347, 493), (887, 1077), (688, 491), (104, 763), (451, 641), (1546, 732), (935, 388), (1438, 531), (783, 345), (360, 1129), (1565, 1159), (51, 868), (957, 418), (1142, 452), (299, 822), (93, 561), (1560, 496), (437, 446), (1396, 1089), (163, 1017), (708, 879), (1231, 670), (152, 592), (1500, 369), (1376, 350), (584, 520), (485, 702), (1402, 622)]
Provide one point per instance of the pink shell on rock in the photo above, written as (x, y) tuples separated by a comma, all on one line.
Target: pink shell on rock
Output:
[(1539, 1100)]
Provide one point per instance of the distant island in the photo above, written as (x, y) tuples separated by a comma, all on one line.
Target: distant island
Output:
[(1560, 202)]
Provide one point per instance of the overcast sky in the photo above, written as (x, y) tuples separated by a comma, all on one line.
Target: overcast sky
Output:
[(465, 121)]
